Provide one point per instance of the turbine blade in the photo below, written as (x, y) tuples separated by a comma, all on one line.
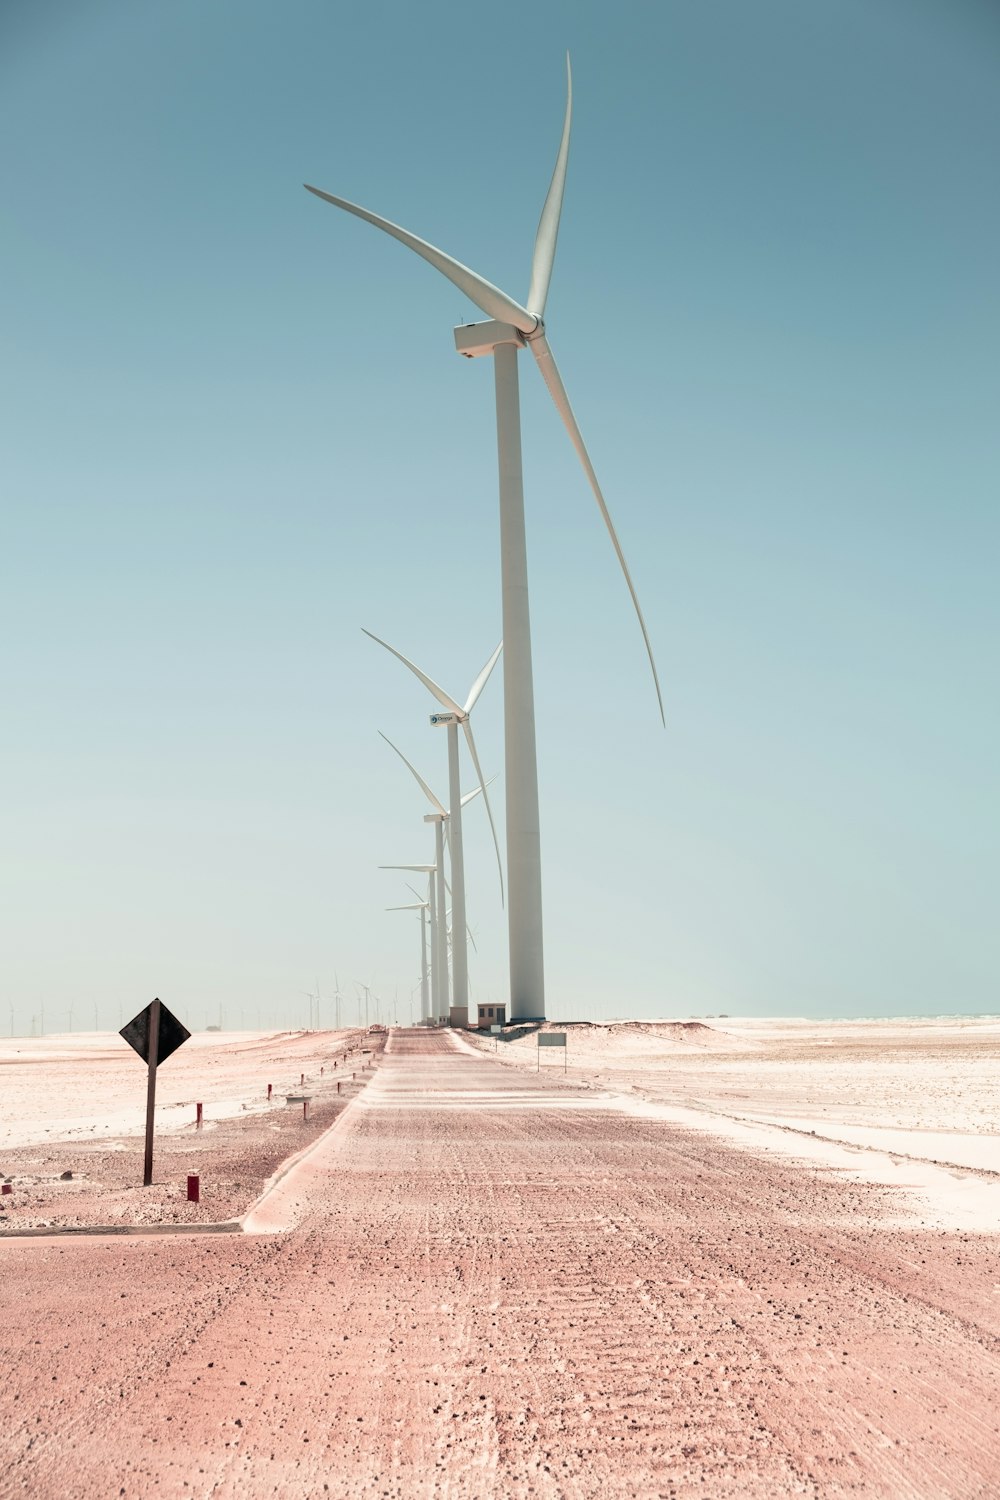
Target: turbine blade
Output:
[(467, 726), (483, 293), (482, 680), (412, 907), (428, 682), (548, 224), (409, 887), (421, 869), (476, 791), (550, 374), (416, 775)]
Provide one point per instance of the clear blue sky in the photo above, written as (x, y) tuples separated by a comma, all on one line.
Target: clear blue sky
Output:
[(235, 431)]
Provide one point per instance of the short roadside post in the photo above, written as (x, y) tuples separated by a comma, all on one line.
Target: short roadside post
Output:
[(550, 1039), (155, 1034)]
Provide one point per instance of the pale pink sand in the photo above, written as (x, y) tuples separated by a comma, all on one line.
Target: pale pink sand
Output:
[(912, 1104), (77, 1106), (485, 1285), (93, 1084)]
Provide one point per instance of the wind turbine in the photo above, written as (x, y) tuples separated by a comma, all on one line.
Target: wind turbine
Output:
[(510, 329), (455, 714), (438, 946), (423, 907), (444, 820)]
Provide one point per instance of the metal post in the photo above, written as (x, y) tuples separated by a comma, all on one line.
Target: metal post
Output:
[(154, 1044)]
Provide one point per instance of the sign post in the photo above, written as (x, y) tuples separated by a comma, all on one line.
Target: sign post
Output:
[(152, 1057), (550, 1039), (154, 1033), (496, 1031)]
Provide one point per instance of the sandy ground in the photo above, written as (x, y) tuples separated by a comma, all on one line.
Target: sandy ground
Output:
[(911, 1104), (77, 1105), (486, 1282)]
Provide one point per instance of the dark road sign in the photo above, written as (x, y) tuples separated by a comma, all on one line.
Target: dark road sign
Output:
[(171, 1033), (155, 1034)]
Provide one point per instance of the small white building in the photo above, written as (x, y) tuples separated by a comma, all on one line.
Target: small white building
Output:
[(492, 1015)]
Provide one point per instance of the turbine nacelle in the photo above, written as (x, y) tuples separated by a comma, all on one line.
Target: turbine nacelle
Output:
[(473, 340)]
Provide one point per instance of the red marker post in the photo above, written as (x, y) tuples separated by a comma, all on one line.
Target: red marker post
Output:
[(198, 1117)]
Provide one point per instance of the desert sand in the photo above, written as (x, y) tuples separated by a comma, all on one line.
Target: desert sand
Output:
[(912, 1104), (77, 1104), (486, 1281)]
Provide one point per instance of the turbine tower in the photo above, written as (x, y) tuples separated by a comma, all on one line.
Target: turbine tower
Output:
[(511, 328), (455, 714)]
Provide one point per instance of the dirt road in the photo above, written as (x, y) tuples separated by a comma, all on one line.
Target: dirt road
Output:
[(498, 1285)]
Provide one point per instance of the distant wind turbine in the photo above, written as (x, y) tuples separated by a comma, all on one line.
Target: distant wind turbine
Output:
[(439, 945), (512, 328), (443, 819), (423, 907), (455, 714)]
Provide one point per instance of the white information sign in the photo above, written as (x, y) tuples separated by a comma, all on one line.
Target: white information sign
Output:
[(550, 1039)]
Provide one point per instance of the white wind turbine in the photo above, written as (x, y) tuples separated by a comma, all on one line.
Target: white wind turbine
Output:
[(510, 328), (423, 907), (438, 944), (455, 714), (444, 820)]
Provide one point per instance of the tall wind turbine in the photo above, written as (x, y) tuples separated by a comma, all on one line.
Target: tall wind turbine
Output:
[(454, 715), (511, 327)]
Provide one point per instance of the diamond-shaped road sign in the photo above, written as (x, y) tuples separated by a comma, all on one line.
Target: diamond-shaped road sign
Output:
[(171, 1034)]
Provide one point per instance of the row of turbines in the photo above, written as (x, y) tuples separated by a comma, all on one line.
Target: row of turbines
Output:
[(511, 328), (443, 991), (370, 1006)]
